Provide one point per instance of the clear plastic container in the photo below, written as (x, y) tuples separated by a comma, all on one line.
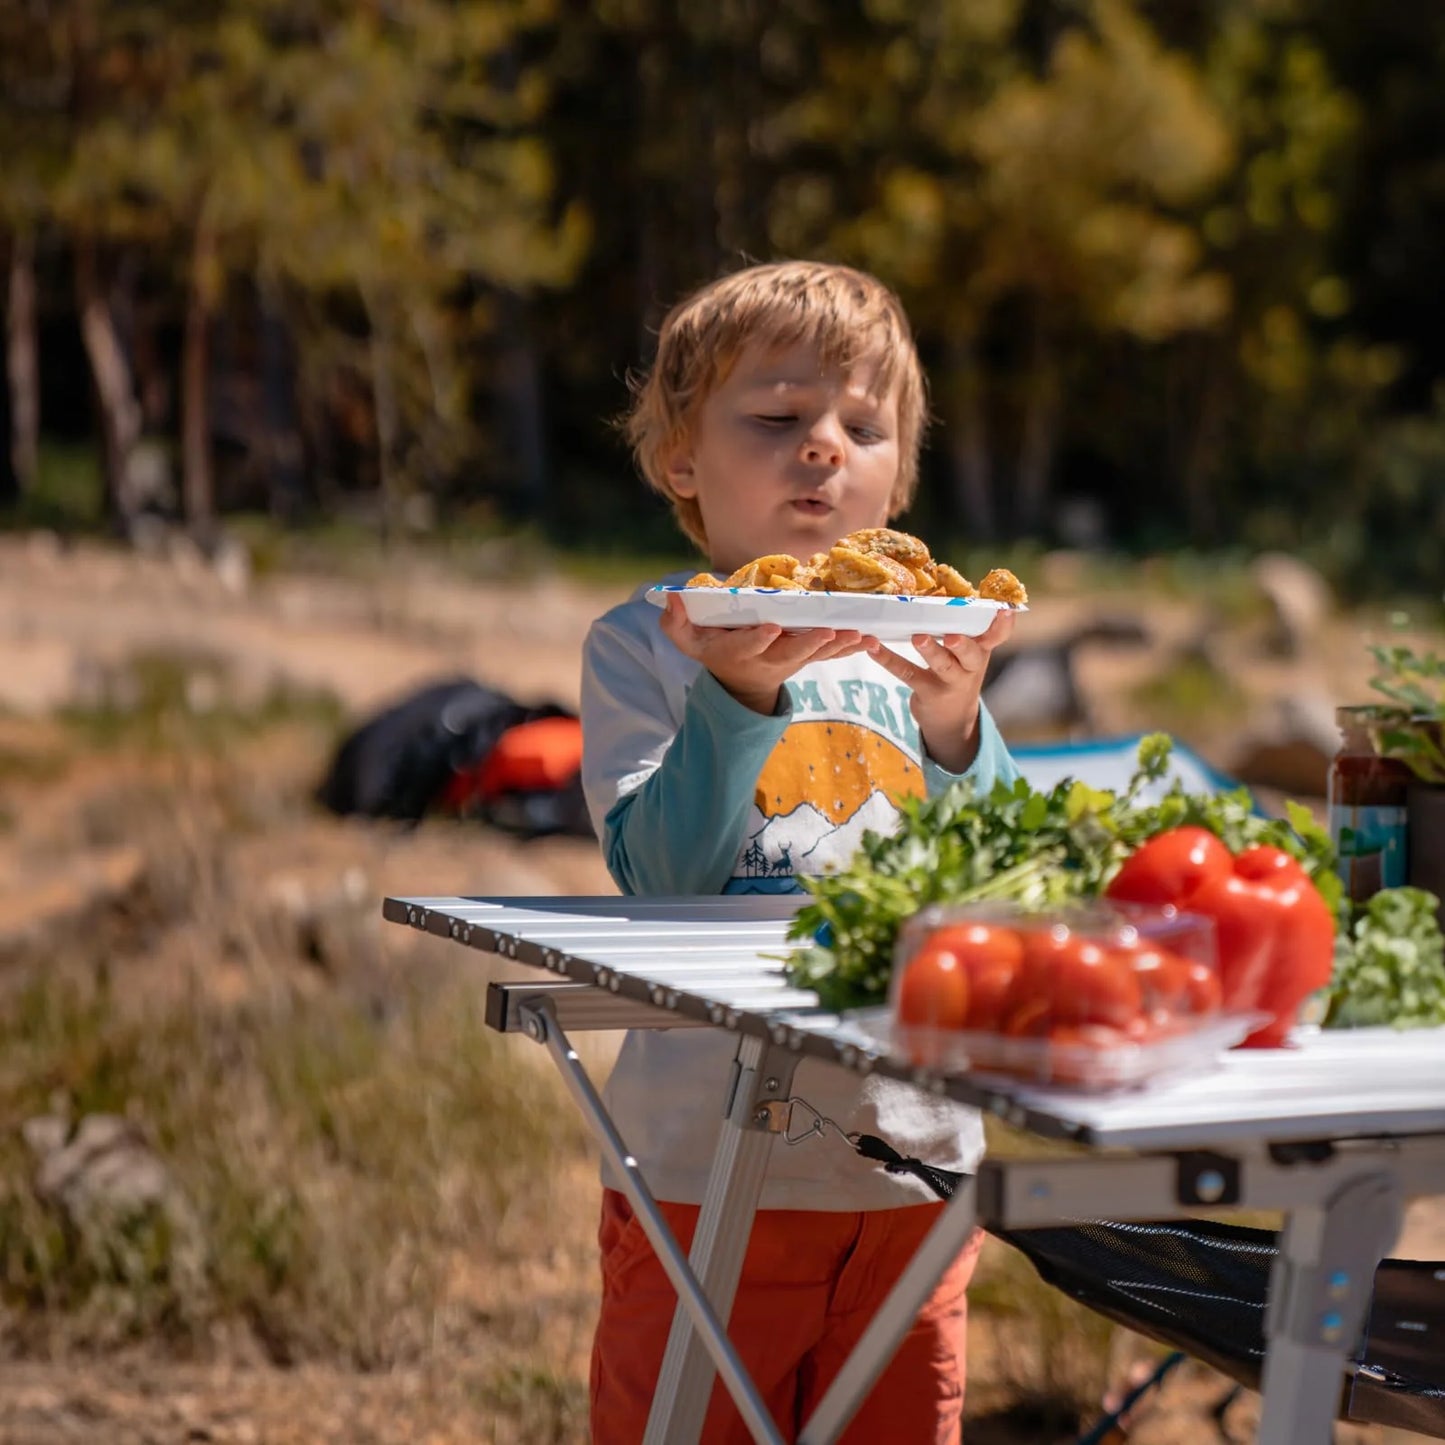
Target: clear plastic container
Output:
[(1102, 997)]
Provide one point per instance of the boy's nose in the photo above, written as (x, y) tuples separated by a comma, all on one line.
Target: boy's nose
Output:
[(823, 447)]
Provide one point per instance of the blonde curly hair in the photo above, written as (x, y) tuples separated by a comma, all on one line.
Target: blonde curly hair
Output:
[(847, 315)]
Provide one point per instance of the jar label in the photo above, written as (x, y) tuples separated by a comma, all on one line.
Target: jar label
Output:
[(1370, 842)]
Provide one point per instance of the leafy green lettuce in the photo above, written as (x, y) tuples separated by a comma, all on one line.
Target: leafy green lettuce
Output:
[(1390, 964)]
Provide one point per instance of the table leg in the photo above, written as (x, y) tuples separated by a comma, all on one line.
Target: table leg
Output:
[(1319, 1291), (724, 1224), (895, 1316), (541, 1025)]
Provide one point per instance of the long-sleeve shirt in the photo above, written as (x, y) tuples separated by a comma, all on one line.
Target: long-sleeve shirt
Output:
[(693, 793)]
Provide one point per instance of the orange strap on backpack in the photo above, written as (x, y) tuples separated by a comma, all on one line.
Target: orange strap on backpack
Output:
[(532, 757)]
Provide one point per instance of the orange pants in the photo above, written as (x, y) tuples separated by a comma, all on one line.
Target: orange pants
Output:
[(811, 1282)]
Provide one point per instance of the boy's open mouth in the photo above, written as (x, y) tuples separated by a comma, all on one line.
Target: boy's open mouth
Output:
[(811, 506)]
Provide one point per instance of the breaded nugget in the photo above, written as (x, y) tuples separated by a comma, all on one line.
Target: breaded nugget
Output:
[(813, 574), (888, 542), (854, 571), (760, 571), (777, 564), (925, 577), (704, 579), (1002, 586), (952, 583)]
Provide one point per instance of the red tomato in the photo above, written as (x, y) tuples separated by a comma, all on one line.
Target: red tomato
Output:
[(1171, 982), (934, 990), (1169, 867), (991, 956), (1028, 1018), (1082, 981), (1073, 1049), (1094, 987), (988, 987), (1086, 1036), (1026, 1008), (1152, 1025), (980, 944)]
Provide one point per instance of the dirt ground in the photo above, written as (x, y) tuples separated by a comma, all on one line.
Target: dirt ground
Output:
[(70, 616)]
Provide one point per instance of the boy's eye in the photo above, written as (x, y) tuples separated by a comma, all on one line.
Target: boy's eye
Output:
[(866, 433), (775, 419)]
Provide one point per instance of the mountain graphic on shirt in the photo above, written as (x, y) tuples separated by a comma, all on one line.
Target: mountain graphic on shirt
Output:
[(822, 787), (833, 850)]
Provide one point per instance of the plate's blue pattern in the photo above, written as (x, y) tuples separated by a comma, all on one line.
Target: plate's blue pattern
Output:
[(872, 596)]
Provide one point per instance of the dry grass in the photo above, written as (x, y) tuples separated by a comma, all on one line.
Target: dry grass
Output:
[(365, 1177), (334, 1164)]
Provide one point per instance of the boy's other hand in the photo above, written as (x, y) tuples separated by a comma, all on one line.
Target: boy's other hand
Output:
[(753, 663), (946, 688)]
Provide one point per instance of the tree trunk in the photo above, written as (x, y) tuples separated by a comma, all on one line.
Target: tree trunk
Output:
[(120, 414), (1039, 441), (22, 364), (384, 402), (1201, 462), (971, 466), (519, 394), (9, 486), (198, 493), (284, 452)]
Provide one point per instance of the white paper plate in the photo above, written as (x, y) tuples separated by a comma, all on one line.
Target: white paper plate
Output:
[(881, 615)]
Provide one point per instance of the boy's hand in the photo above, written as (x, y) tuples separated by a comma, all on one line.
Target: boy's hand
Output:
[(752, 663), (946, 688)]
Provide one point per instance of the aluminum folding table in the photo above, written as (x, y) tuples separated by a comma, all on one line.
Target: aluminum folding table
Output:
[(1336, 1134)]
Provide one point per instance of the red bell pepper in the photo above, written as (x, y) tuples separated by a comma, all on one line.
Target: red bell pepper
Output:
[(1274, 932)]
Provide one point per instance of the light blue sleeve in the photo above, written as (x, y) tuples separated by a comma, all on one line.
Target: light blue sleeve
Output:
[(993, 764), (680, 831)]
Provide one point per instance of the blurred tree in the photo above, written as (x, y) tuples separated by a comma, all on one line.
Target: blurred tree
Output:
[(426, 177), (1038, 212), (1258, 383), (1390, 58), (32, 135), (360, 162), (1171, 256)]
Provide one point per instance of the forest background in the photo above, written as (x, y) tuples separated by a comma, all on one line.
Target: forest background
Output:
[(316, 318), (1173, 266)]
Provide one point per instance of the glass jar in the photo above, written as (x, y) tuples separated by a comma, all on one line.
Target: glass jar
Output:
[(1366, 796)]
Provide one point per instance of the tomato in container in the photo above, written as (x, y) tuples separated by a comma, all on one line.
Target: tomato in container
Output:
[(958, 980), (1097, 997)]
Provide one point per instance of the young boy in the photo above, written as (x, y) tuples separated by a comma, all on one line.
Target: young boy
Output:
[(784, 410)]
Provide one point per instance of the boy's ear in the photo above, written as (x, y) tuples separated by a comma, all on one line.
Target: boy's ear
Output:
[(677, 465)]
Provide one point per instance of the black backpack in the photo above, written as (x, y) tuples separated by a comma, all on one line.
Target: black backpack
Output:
[(399, 762)]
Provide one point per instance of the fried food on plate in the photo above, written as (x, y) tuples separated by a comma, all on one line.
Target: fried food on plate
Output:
[(850, 570), (953, 583), (1001, 585), (886, 542), (873, 559)]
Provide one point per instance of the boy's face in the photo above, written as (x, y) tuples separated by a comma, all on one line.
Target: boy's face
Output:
[(786, 456)]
